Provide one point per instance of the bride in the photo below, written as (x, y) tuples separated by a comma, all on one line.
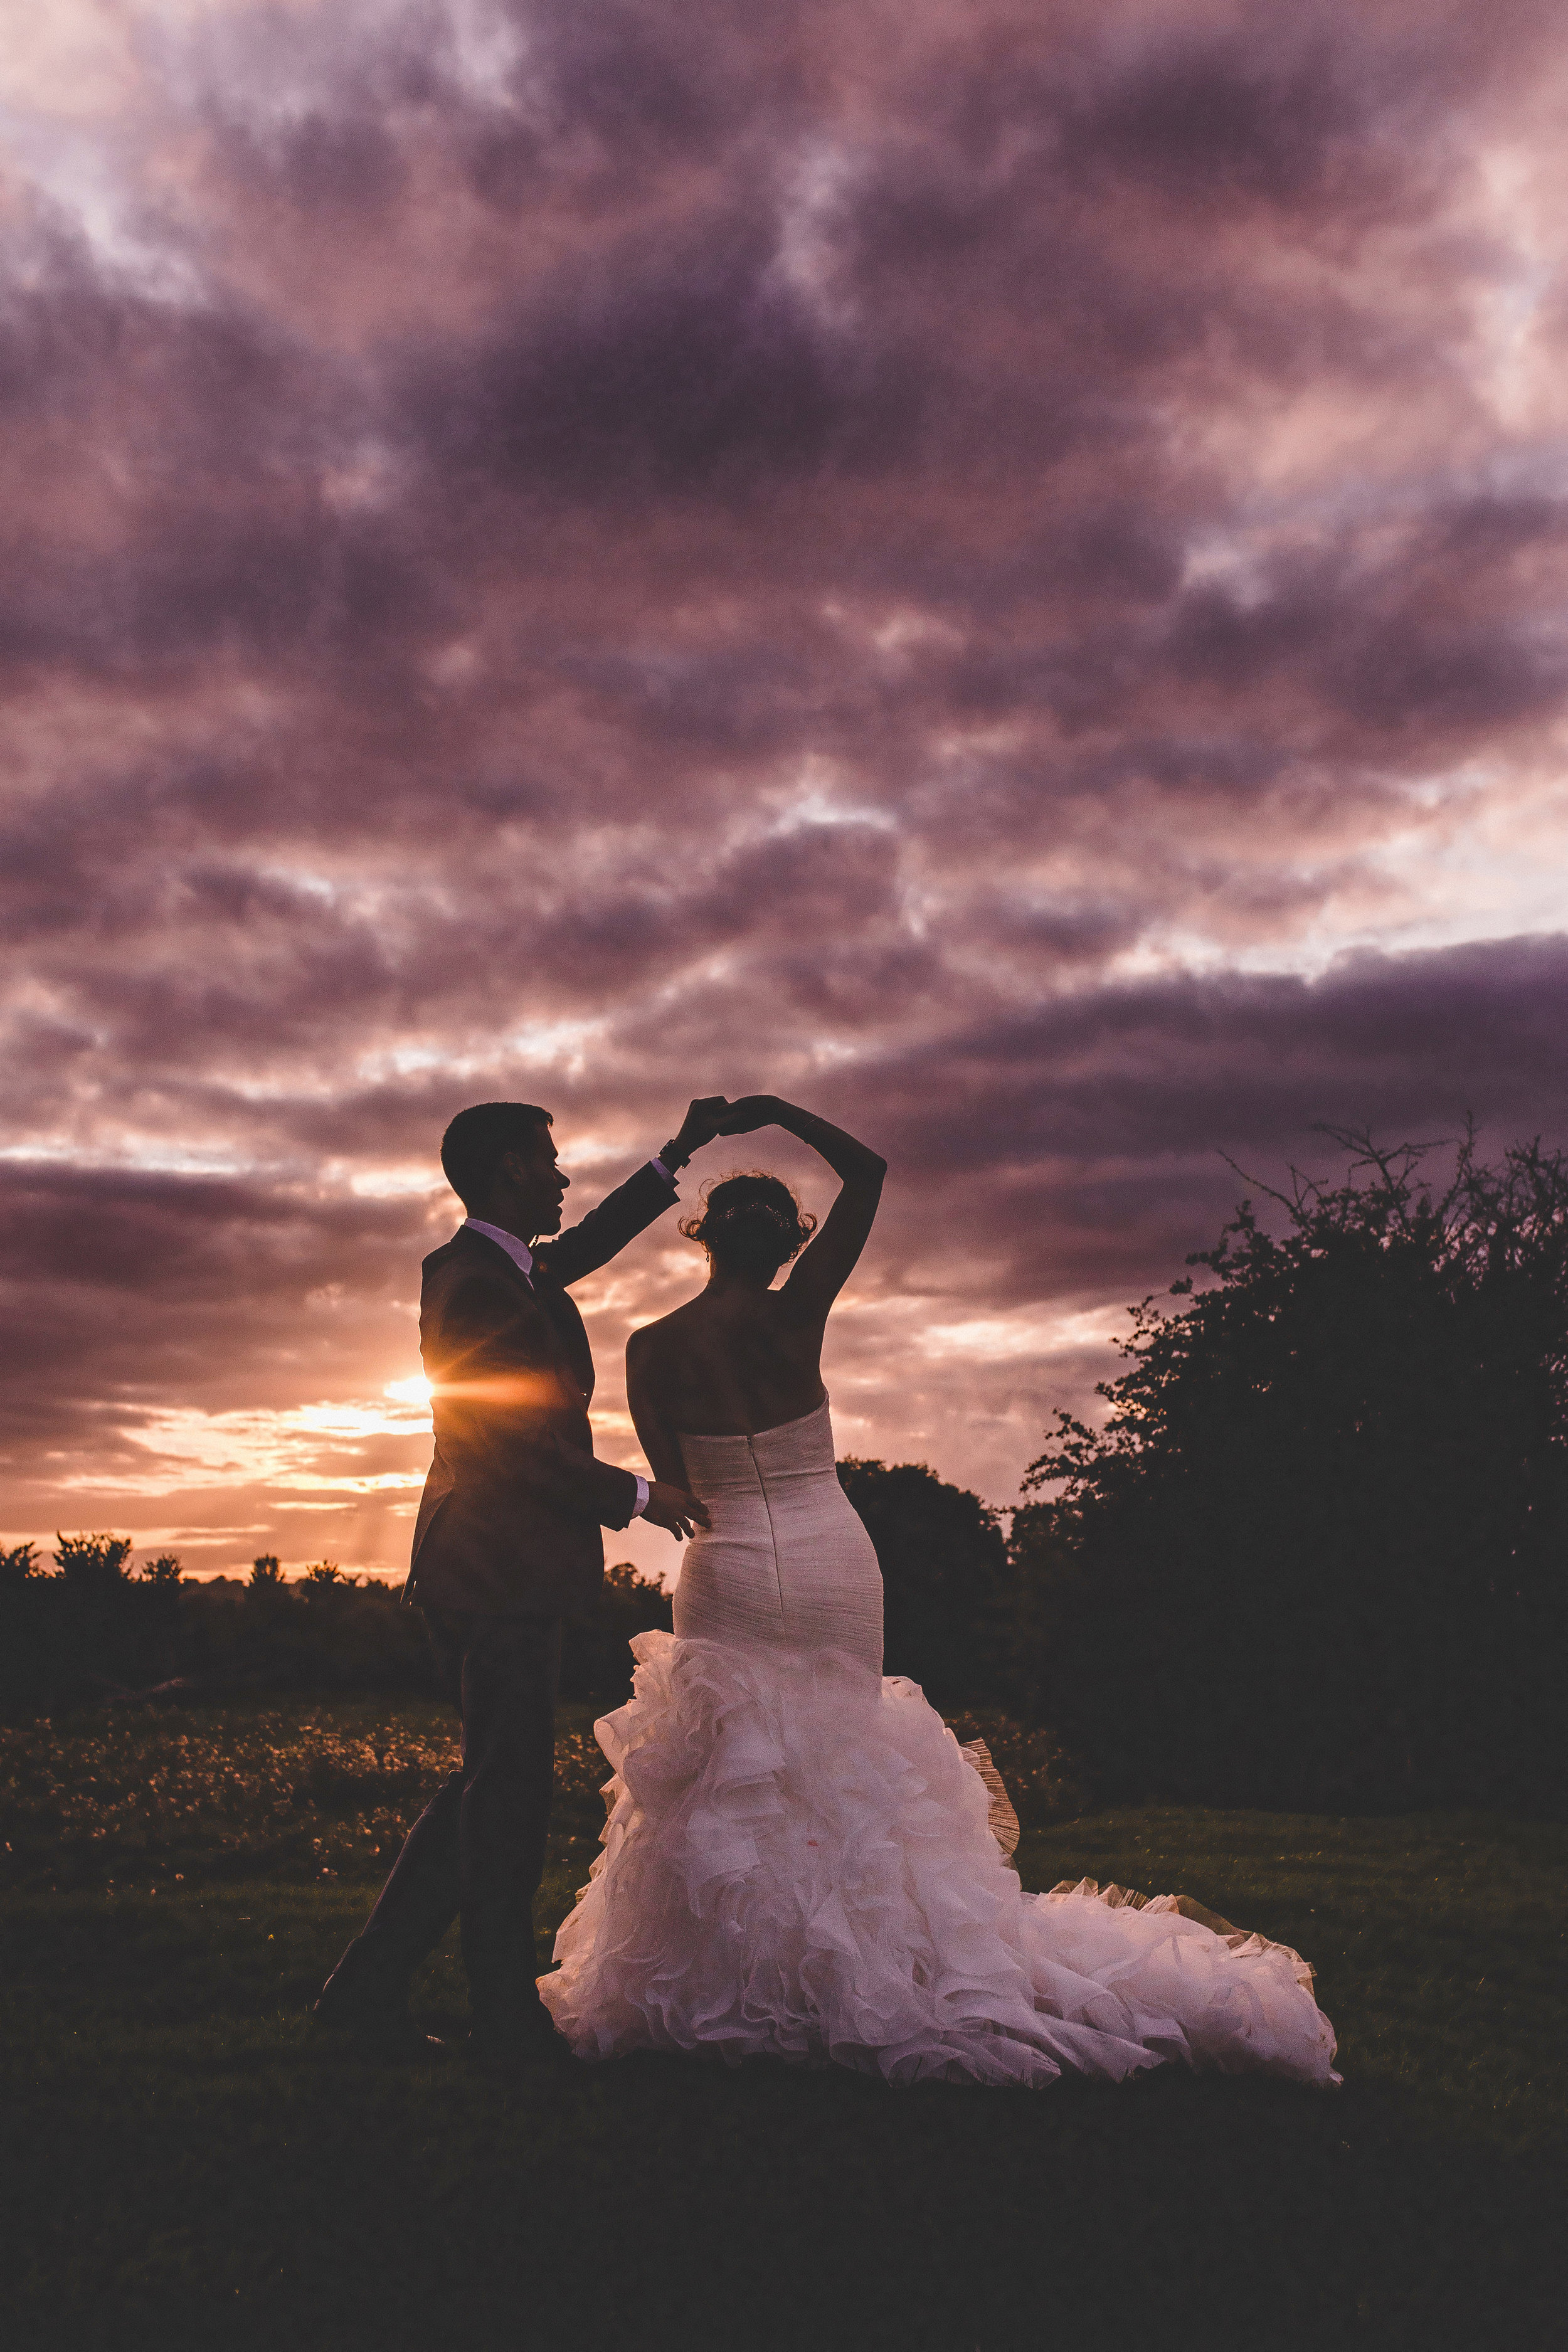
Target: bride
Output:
[(800, 1861)]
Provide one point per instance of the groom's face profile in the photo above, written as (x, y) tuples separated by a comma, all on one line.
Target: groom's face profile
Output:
[(534, 1182)]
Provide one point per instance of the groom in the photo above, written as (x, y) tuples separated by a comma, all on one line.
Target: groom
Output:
[(507, 1545)]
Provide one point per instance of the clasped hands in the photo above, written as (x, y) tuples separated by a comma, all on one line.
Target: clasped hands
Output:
[(712, 1116)]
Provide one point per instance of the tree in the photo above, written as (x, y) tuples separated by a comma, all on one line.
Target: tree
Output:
[(595, 1662), (265, 1575), (18, 1564), (164, 1570), (1316, 1555), (95, 1563), (945, 1574)]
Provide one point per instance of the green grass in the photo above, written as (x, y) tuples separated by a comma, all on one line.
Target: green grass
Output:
[(182, 2169)]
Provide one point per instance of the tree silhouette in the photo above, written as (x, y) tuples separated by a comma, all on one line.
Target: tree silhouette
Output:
[(1316, 1554), (945, 1575), (93, 1563)]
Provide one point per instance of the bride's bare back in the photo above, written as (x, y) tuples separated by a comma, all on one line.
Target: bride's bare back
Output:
[(741, 1357)]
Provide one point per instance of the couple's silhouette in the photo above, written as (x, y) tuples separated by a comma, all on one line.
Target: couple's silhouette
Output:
[(800, 1861)]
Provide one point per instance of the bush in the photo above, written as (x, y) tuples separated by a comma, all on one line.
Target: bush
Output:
[(1315, 1558), (596, 1664), (93, 1631), (317, 1633), (96, 1633), (948, 1596), (18, 1564), (1040, 1779), (92, 1563)]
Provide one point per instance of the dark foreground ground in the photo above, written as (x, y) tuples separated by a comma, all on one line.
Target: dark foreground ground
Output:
[(184, 2169)]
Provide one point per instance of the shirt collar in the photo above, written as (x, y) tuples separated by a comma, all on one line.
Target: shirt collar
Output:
[(518, 1252)]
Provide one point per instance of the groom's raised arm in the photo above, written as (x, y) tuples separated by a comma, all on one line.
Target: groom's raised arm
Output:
[(622, 1214), (605, 1231)]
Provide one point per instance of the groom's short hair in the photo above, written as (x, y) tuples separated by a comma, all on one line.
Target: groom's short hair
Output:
[(479, 1140)]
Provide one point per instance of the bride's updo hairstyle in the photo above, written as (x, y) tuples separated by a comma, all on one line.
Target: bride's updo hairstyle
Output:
[(751, 1224)]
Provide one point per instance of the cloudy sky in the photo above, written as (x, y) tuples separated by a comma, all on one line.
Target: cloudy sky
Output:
[(996, 569)]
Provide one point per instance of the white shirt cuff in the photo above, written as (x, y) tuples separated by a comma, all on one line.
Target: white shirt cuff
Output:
[(657, 1164), (640, 1506)]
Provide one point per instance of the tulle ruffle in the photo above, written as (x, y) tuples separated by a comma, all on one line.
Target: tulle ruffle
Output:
[(800, 1862)]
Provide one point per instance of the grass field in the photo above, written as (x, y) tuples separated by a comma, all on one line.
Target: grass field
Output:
[(182, 2169)]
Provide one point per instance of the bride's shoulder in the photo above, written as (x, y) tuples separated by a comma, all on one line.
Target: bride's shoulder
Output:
[(649, 1336)]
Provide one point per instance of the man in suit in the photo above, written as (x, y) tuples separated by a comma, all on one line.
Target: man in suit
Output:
[(507, 1544)]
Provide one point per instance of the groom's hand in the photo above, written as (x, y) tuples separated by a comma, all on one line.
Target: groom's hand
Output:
[(673, 1507), (701, 1124), (747, 1113)]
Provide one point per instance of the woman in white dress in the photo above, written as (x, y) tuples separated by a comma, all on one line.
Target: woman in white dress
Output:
[(800, 1861)]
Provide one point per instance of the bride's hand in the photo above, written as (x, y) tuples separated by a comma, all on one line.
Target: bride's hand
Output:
[(747, 1113)]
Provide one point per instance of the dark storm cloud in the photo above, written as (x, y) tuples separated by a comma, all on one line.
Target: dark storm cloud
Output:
[(1091, 1138), (936, 561), (1205, 121), (1187, 1064), (680, 372), (1423, 632), (146, 1270)]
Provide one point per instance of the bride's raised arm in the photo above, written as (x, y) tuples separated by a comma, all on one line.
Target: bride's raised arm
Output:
[(824, 1266)]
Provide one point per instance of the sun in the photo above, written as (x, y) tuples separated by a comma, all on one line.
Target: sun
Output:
[(411, 1392)]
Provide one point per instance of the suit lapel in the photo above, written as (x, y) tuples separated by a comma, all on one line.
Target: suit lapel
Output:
[(559, 1309), (560, 1312)]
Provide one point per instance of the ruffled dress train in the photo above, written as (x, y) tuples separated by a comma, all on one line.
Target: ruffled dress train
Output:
[(801, 1862)]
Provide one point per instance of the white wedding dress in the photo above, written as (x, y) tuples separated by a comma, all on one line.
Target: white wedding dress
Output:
[(800, 1862)]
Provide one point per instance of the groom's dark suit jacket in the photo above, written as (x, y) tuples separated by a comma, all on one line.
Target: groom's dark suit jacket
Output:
[(509, 1520)]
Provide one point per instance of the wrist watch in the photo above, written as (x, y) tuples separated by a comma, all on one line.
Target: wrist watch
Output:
[(672, 1155)]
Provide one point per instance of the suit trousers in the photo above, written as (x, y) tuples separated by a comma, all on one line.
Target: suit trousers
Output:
[(477, 1852)]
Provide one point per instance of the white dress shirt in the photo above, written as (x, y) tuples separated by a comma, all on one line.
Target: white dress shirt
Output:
[(518, 1252), (521, 1257)]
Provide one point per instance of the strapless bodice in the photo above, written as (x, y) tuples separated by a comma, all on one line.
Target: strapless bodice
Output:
[(787, 1562), (719, 1468)]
